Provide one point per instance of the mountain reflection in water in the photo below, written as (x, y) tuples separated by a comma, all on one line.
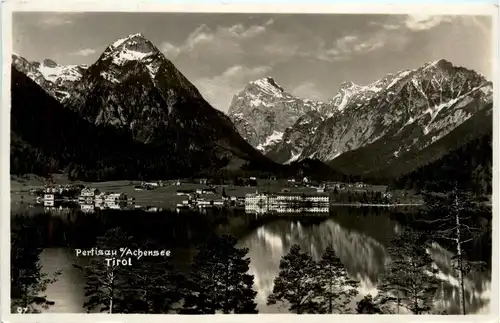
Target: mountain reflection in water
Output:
[(359, 237), (361, 252), (362, 255)]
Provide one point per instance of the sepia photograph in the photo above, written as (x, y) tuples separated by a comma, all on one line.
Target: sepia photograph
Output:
[(251, 163)]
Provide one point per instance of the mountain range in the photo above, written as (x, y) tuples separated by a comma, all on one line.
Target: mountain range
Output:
[(365, 130), (133, 107), (133, 114)]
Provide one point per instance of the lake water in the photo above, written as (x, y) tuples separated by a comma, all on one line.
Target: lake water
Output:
[(359, 236)]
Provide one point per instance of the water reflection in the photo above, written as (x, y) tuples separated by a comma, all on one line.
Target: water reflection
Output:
[(362, 255), (477, 286), (287, 210), (358, 236), (67, 207)]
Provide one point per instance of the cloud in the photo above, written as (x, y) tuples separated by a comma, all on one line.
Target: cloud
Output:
[(424, 22), (343, 48), (238, 72), (219, 90), (221, 39), (307, 90), (170, 50), (393, 33), (345, 44), (369, 46), (239, 31), (386, 25), (269, 22), (84, 52)]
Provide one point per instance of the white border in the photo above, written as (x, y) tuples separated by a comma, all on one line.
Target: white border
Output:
[(258, 7), (138, 6)]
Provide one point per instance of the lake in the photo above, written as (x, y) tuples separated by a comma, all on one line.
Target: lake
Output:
[(359, 236)]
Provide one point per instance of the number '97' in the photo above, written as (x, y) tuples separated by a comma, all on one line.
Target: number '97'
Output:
[(22, 310)]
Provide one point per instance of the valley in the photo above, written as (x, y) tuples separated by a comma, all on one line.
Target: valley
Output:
[(291, 163), (402, 122)]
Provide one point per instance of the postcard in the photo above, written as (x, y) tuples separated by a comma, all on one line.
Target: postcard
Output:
[(232, 160)]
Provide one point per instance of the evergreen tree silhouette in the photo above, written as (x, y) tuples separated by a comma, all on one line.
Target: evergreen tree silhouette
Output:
[(153, 285), (451, 213), (28, 282), (368, 306), (337, 289), (106, 285), (409, 279), (219, 282), (297, 284)]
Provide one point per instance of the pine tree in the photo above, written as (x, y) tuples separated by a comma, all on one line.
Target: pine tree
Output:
[(297, 283), (28, 282), (337, 289), (106, 283), (409, 278), (153, 285), (368, 306), (219, 281), (451, 214)]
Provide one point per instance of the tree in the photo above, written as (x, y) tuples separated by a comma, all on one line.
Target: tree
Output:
[(106, 283), (28, 282), (297, 283), (368, 306), (153, 285), (219, 281), (337, 289), (409, 277), (451, 214)]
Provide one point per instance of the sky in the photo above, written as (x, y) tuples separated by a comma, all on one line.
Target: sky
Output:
[(309, 55)]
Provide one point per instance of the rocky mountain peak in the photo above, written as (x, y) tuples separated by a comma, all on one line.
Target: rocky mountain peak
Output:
[(413, 108), (347, 85), (266, 85), (49, 63), (443, 67), (263, 110), (441, 63), (134, 47), (156, 91)]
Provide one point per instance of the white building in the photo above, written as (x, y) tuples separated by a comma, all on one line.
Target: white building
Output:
[(203, 203), (87, 207), (48, 203), (255, 198), (284, 201), (89, 192), (114, 197)]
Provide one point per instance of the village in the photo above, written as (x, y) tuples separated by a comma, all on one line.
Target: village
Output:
[(253, 194)]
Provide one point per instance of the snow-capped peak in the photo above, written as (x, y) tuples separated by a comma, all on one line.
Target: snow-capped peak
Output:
[(348, 85), (269, 86), (120, 41), (440, 63), (54, 72), (132, 47)]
